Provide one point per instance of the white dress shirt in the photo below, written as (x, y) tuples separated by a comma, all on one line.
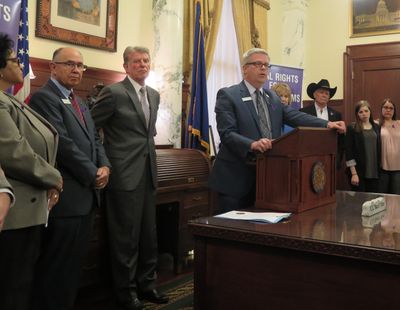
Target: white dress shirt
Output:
[(322, 112)]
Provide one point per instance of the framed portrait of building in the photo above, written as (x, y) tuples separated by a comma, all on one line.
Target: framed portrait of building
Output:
[(90, 23), (374, 17)]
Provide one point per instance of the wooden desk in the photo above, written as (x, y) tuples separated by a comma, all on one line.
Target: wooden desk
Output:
[(182, 195), (325, 258)]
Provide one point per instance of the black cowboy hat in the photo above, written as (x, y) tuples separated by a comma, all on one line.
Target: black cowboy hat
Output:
[(324, 84)]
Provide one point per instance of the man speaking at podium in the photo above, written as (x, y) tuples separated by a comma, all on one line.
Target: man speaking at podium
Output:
[(248, 118)]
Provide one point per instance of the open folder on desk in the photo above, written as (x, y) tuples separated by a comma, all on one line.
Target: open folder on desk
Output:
[(265, 217)]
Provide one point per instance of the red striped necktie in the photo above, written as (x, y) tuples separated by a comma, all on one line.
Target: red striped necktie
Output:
[(76, 107)]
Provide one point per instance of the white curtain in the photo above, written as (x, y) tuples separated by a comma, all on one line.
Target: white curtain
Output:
[(225, 69)]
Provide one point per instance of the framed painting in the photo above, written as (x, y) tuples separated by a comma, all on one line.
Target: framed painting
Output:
[(374, 17), (90, 23)]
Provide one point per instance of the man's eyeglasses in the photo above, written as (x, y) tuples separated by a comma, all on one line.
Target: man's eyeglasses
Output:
[(259, 64), (71, 65), (14, 59)]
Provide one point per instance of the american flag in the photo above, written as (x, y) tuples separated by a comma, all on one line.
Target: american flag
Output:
[(21, 90)]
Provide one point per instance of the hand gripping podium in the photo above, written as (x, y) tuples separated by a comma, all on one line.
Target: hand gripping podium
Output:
[(299, 172)]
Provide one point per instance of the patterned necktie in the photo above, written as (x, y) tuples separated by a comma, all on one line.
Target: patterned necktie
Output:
[(145, 105), (77, 108), (263, 116)]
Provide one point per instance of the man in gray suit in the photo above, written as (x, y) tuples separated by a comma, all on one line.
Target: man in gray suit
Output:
[(85, 169), (127, 113), (249, 117)]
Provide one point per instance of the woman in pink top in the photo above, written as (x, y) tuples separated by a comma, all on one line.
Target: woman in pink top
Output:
[(390, 137)]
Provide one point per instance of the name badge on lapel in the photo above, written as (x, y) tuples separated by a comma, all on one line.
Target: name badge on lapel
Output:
[(247, 99), (66, 101)]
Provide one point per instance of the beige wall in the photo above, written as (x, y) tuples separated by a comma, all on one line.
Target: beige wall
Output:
[(326, 37), (134, 28)]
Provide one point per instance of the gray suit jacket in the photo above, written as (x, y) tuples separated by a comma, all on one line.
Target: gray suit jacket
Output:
[(238, 126), (27, 154), (80, 152), (126, 139)]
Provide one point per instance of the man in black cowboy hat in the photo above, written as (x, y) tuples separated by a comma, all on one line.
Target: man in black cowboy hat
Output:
[(321, 92)]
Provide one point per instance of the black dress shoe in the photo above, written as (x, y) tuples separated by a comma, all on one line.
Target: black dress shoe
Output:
[(134, 304), (154, 296)]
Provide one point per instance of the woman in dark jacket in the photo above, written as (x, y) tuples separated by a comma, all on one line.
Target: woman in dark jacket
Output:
[(363, 150)]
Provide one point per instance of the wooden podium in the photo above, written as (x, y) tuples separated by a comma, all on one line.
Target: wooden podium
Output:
[(299, 172)]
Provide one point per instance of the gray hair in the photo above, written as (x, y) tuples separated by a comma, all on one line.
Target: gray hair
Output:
[(132, 49), (255, 50)]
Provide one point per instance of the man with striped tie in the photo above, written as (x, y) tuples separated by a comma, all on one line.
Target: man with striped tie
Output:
[(85, 169)]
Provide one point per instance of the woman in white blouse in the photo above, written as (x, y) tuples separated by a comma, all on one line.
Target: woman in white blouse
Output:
[(390, 137)]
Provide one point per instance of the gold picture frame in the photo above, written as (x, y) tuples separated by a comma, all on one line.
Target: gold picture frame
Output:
[(64, 20), (374, 17)]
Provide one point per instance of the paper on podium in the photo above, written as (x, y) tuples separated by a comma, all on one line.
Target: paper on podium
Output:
[(265, 217)]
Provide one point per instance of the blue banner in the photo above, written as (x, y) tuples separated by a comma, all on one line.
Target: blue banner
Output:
[(291, 76), (9, 18), (197, 135)]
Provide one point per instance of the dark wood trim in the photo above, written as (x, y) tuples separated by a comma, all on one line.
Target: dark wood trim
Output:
[(347, 93)]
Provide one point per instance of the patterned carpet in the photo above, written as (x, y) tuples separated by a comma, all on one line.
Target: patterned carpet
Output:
[(180, 292)]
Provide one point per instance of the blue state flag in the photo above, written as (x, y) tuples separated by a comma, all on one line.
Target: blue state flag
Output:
[(197, 136)]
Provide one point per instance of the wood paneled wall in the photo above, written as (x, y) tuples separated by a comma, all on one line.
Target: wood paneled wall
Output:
[(371, 72)]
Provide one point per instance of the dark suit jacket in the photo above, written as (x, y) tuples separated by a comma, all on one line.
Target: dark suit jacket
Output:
[(127, 141), (238, 126), (80, 151), (27, 154), (355, 148), (333, 115)]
